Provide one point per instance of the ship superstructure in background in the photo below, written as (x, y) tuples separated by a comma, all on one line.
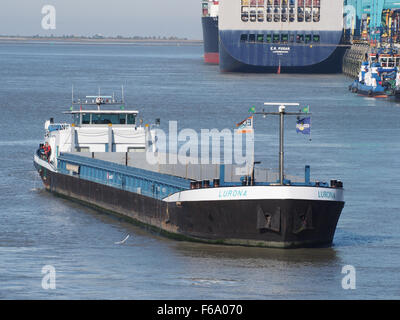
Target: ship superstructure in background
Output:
[(209, 22), (295, 35)]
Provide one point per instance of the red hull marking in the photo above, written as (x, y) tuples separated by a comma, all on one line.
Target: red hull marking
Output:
[(211, 57)]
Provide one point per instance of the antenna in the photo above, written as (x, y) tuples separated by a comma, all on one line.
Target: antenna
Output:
[(96, 100), (122, 93)]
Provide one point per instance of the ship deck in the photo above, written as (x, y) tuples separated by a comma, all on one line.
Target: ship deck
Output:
[(230, 174)]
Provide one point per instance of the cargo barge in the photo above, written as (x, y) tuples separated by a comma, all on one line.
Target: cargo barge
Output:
[(100, 160)]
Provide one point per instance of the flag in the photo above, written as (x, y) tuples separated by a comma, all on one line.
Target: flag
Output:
[(246, 126), (252, 109), (306, 109), (304, 125)]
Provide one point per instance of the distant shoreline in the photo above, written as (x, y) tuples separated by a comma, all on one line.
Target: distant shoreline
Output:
[(99, 40)]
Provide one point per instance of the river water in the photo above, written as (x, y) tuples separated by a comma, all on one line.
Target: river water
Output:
[(354, 139)]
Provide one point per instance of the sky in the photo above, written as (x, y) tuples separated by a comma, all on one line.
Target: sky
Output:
[(107, 17)]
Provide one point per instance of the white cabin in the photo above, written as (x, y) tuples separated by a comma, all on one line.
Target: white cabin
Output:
[(96, 131)]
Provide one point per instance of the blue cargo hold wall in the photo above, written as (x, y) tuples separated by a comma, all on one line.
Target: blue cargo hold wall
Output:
[(147, 183)]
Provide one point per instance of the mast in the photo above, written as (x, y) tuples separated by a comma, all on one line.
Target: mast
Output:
[(281, 113), (281, 142)]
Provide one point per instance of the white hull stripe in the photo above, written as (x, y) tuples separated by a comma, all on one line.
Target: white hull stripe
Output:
[(258, 193)]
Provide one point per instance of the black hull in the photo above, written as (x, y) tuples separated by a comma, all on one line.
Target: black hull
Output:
[(264, 223)]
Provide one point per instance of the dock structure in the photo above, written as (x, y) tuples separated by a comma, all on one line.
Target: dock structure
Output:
[(373, 20), (353, 58), (369, 24)]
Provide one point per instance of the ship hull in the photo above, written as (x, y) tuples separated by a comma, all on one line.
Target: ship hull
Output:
[(322, 57), (210, 37), (369, 91), (283, 223)]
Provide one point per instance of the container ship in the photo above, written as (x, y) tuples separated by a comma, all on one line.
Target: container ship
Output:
[(304, 36), (99, 159), (209, 22)]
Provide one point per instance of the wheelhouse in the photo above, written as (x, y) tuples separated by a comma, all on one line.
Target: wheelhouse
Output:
[(385, 60), (104, 117)]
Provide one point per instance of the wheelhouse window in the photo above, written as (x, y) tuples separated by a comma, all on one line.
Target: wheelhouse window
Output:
[(243, 38), (284, 38), (108, 118), (307, 38), (260, 38), (268, 38), (276, 38), (131, 119), (316, 38), (85, 118), (252, 38)]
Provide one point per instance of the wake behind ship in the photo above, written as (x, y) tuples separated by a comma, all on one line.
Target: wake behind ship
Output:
[(290, 35), (100, 160)]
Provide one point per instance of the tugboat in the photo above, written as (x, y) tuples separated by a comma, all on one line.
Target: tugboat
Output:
[(100, 160), (378, 74)]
